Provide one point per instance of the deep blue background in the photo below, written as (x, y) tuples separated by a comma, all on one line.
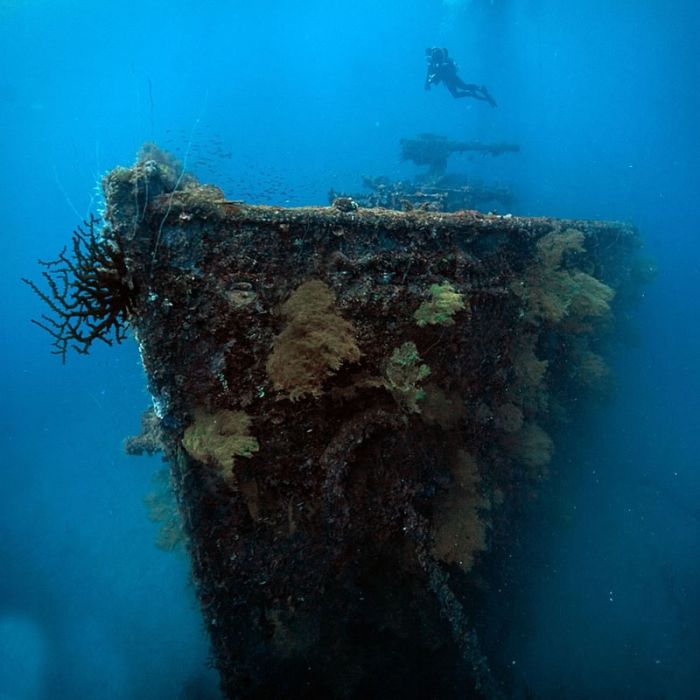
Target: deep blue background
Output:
[(603, 98)]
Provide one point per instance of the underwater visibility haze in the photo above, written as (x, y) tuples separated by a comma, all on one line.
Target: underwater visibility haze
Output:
[(586, 583)]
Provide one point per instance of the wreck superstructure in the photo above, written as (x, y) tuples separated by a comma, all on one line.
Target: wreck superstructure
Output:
[(436, 189)]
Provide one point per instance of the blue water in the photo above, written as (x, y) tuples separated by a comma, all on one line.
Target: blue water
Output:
[(277, 102)]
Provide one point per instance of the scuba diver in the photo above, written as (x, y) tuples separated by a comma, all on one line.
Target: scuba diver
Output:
[(441, 68)]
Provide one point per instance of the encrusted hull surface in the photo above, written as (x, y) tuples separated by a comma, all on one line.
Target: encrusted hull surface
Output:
[(355, 404)]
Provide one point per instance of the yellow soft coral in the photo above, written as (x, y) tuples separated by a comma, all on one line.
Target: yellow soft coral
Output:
[(403, 373), (533, 447), (313, 345), (529, 386), (552, 247), (589, 296), (218, 438), (551, 291), (444, 303), (460, 527), (508, 418)]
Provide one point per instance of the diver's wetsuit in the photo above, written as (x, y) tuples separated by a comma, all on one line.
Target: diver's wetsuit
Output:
[(441, 68)]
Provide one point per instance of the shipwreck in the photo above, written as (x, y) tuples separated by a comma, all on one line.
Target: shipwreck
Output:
[(354, 403)]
